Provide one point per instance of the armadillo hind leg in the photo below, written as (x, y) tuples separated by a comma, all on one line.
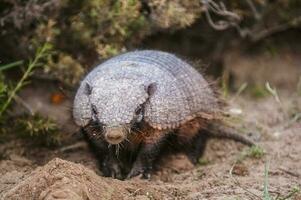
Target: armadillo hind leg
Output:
[(198, 146), (222, 131)]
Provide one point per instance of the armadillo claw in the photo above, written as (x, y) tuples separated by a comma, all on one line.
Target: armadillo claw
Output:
[(135, 171), (139, 169), (111, 168)]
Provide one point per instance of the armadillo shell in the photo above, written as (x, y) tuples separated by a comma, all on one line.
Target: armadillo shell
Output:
[(181, 92)]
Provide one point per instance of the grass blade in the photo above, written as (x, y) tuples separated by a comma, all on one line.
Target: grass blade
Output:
[(11, 65), (266, 194)]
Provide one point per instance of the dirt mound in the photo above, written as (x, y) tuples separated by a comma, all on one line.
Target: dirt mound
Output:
[(60, 179)]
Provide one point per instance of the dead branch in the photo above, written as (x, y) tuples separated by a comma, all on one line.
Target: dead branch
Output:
[(233, 20)]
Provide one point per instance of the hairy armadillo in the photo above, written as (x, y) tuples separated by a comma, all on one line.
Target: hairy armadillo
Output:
[(134, 105)]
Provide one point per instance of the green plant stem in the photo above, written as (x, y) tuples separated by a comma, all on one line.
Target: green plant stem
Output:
[(32, 64), (11, 65), (266, 194)]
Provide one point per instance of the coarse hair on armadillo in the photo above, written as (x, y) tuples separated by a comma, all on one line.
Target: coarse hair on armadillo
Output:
[(171, 90)]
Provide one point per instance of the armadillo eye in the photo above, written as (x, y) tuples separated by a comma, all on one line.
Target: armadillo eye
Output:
[(138, 110), (94, 110)]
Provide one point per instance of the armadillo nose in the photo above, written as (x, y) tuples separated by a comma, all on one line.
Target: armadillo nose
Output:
[(115, 135), (115, 139)]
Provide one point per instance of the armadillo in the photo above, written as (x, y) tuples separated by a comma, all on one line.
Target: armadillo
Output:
[(135, 104)]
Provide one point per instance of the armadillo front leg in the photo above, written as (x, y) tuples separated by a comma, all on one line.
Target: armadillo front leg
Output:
[(149, 152), (109, 165)]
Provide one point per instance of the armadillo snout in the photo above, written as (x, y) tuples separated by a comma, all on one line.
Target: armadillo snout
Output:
[(115, 135)]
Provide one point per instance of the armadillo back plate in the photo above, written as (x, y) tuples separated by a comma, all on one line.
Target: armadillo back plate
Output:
[(181, 92)]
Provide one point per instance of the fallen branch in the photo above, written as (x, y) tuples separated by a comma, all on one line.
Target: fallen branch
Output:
[(233, 20)]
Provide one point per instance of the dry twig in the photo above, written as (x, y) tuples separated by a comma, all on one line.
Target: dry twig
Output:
[(233, 20)]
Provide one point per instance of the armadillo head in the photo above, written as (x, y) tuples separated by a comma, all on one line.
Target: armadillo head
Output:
[(111, 107)]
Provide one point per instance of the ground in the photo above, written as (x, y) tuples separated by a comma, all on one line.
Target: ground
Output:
[(228, 170), (225, 172)]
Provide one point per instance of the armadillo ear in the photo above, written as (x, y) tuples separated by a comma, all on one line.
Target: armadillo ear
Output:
[(82, 112), (151, 89)]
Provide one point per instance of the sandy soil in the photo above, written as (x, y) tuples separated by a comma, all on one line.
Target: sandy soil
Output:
[(30, 172)]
